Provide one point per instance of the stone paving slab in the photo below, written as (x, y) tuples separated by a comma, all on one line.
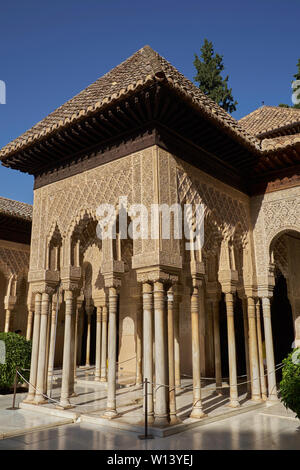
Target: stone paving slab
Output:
[(18, 422)]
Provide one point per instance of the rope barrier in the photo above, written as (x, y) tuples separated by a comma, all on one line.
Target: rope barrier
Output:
[(41, 393)]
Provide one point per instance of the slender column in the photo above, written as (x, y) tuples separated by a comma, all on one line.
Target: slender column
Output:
[(29, 324), (254, 364), (35, 349), (272, 390), (246, 337), (52, 337), (161, 365), (72, 392), (7, 320), (177, 342), (40, 383), (88, 336), (231, 351), (197, 411), (217, 344), (111, 410), (78, 307), (104, 345), (260, 352), (148, 345), (98, 345), (171, 356), (139, 344), (66, 372)]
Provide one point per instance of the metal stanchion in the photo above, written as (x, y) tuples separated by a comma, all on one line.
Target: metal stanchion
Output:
[(15, 392), (146, 435)]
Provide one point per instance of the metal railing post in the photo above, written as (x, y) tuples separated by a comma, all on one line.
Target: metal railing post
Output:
[(146, 435)]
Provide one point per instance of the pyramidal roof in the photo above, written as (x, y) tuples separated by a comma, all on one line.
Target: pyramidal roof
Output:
[(268, 119), (15, 208), (143, 67)]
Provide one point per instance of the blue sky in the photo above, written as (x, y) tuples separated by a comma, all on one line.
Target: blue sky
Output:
[(51, 50)]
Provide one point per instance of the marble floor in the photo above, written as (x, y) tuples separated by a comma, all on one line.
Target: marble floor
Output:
[(272, 428)]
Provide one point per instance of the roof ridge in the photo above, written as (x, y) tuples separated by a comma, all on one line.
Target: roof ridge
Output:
[(14, 200)]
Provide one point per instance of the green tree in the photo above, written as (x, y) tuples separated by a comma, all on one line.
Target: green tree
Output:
[(297, 89), (209, 67)]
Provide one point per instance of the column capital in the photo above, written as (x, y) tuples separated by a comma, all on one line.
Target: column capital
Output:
[(154, 274)]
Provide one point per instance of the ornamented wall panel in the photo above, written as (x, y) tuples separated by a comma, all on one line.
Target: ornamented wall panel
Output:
[(271, 214)]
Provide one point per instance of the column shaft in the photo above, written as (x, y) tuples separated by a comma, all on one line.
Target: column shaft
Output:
[(29, 324), (35, 349), (98, 345), (253, 352), (231, 351), (111, 410), (161, 357), (171, 356), (246, 338), (88, 338), (52, 339), (104, 345), (139, 344), (272, 390), (177, 341), (66, 372), (42, 356), (7, 320), (260, 352), (197, 411), (148, 344), (217, 344)]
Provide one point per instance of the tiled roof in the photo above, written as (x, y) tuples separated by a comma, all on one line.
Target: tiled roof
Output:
[(15, 208), (281, 142), (267, 119), (145, 66)]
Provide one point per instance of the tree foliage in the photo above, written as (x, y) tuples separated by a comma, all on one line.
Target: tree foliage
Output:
[(296, 91), (290, 383), (209, 67), (17, 354)]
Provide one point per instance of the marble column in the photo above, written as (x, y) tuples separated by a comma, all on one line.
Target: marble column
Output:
[(253, 351), (89, 311), (260, 352), (29, 324), (272, 390), (197, 411), (246, 338), (171, 357), (98, 344), (72, 392), (148, 345), (66, 369), (217, 344), (111, 409), (7, 320), (52, 337), (42, 355), (161, 356), (177, 341), (35, 349), (139, 344), (234, 402), (78, 308), (103, 377)]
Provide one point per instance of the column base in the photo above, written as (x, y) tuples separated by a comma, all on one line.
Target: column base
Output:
[(197, 413), (256, 399), (174, 420), (272, 401), (161, 421), (65, 404), (40, 400), (110, 414), (29, 399), (103, 379), (234, 404), (97, 379), (73, 394)]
